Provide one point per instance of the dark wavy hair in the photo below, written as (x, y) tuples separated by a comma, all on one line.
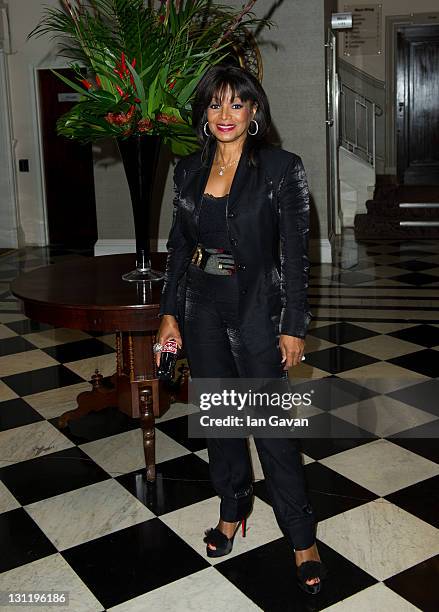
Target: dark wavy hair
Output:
[(243, 85)]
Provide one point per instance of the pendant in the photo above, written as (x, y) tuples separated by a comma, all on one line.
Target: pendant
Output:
[(221, 172)]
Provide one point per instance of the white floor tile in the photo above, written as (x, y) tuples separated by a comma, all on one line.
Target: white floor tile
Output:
[(88, 513), (380, 537), (381, 466)]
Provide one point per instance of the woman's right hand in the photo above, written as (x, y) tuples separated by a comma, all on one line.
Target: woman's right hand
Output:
[(168, 330)]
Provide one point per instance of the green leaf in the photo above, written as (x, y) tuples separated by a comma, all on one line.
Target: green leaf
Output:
[(73, 85), (140, 91), (152, 96)]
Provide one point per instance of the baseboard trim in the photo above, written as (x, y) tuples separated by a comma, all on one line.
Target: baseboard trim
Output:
[(319, 248), (8, 238), (114, 246)]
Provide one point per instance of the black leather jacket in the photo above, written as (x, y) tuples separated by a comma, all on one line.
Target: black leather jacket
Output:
[(268, 225)]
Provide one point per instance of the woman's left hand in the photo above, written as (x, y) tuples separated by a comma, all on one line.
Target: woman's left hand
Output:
[(292, 350)]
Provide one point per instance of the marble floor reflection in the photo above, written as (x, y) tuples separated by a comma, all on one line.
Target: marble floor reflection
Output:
[(77, 515)]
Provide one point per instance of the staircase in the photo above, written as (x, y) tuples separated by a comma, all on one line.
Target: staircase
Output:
[(400, 212)]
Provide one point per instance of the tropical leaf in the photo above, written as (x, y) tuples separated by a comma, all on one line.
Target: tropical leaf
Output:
[(140, 59)]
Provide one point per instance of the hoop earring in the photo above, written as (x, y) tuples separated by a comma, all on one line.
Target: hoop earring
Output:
[(204, 130), (257, 129)]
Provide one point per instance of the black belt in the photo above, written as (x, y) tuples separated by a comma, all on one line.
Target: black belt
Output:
[(214, 261)]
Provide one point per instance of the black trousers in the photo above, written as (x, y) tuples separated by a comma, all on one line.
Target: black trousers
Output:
[(215, 350)]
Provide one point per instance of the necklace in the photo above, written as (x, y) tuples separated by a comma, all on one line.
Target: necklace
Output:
[(222, 168)]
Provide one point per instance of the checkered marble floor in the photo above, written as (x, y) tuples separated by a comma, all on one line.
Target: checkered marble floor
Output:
[(77, 515)]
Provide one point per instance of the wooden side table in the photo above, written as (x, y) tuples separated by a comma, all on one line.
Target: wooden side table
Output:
[(88, 293)]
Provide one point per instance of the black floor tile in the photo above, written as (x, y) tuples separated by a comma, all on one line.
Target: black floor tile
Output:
[(425, 335), (177, 429), (424, 362), (352, 278), (52, 474), (363, 264), (97, 425), (415, 265), (11, 310), (267, 576), (61, 251), (27, 326), (9, 298), (422, 440), (180, 482), (331, 392), (329, 493), (423, 395), (22, 541), (403, 244), (17, 412), (319, 448), (81, 349), (15, 344), (341, 333), (29, 261), (42, 379), (410, 253), (133, 561), (415, 278), (97, 334), (338, 359), (420, 499), (418, 584), (327, 426)]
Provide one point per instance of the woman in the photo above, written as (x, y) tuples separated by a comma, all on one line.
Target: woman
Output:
[(235, 299)]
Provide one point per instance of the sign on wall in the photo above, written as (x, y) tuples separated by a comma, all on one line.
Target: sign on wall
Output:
[(365, 36)]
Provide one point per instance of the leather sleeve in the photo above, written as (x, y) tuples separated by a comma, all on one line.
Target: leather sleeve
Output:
[(179, 251), (294, 214)]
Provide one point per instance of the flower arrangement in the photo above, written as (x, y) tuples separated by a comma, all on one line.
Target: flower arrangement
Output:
[(137, 63)]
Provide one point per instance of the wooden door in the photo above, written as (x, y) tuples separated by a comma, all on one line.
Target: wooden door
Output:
[(417, 105), (68, 170)]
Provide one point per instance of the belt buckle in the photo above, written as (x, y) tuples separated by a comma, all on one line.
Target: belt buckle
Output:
[(221, 266), (197, 256)]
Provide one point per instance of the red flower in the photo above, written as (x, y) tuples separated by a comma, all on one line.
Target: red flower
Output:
[(122, 93), (123, 71), (165, 118), (120, 118), (86, 84), (144, 125)]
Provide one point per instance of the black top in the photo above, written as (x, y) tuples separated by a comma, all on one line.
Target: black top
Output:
[(213, 223)]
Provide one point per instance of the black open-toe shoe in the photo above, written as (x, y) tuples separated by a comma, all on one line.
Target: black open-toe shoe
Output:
[(223, 544), (308, 570)]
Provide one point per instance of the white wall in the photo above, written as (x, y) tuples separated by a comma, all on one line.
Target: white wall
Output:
[(23, 16), (8, 204), (375, 65)]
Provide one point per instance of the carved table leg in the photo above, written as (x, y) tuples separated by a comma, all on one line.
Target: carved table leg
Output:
[(99, 398), (147, 425)]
